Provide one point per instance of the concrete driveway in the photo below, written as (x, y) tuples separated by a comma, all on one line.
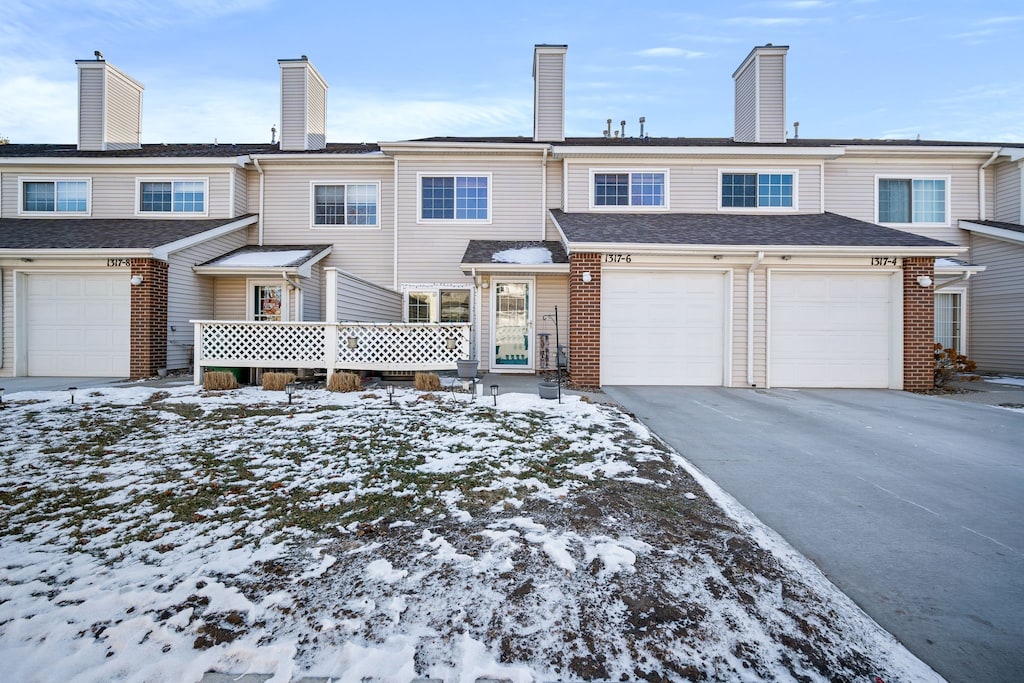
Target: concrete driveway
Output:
[(912, 505)]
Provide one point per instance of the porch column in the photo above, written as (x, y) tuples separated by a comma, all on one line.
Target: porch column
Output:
[(918, 325), (585, 320), (148, 335)]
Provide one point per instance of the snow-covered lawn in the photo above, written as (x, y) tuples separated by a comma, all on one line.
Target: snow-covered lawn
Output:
[(155, 535), (1013, 381)]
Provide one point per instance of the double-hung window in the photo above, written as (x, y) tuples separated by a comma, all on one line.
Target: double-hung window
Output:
[(761, 190), (56, 196), (344, 204), (637, 189), (172, 196), (912, 200), (437, 305), (455, 198)]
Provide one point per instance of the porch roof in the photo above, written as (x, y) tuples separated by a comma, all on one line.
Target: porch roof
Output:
[(489, 256), (268, 259), (1011, 232)]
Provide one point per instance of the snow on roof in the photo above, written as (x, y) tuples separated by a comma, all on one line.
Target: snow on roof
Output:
[(524, 256), (264, 259)]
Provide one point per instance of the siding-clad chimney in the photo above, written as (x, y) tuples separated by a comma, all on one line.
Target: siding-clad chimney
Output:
[(760, 83), (109, 107), (303, 106), (549, 93)]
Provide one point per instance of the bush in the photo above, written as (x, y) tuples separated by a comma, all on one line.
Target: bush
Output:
[(950, 366), (344, 381), (275, 381), (427, 381), (216, 380)]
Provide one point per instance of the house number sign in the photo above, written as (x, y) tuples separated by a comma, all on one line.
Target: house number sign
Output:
[(618, 258), (884, 261), (119, 263)]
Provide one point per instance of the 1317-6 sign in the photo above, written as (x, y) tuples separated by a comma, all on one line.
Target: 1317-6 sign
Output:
[(618, 258)]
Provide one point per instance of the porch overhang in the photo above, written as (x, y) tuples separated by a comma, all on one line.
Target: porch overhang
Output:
[(266, 261), (952, 271), (519, 257), (1000, 230)]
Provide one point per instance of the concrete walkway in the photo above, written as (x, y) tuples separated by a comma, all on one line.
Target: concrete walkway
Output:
[(912, 505)]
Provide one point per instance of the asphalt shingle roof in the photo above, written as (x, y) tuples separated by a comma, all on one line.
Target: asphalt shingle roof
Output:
[(1000, 224), (807, 229), (101, 233), (177, 150), (483, 251)]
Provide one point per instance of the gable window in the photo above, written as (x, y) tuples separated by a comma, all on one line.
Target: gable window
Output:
[(455, 198), (912, 200), (345, 204), (634, 189), (172, 196), (55, 196), (430, 305), (773, 190)]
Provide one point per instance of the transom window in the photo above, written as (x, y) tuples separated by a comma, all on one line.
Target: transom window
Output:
[(347, 204), (172, 196), (438, 306), (640, 188), (911, 200), (757, 190), (459, 198), (55, 196)]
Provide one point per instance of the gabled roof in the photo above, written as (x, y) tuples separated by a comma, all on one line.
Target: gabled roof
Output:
[(252, 259), (520, 256)]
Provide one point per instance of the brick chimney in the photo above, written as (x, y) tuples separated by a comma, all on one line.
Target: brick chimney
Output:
[(549, 93), (303, 106), (109, 107), (760, 83)]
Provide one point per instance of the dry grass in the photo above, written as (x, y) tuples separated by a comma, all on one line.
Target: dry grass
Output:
[(217, 380), (344, 381), (427, 381), (275, 381)]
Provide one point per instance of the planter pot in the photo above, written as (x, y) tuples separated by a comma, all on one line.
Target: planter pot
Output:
[(548, 389), (161, 372), (467, 368)]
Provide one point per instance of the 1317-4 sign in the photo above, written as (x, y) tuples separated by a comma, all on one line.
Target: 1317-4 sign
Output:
[(884, 261)]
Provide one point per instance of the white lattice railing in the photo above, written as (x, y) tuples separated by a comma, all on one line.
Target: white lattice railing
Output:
[(333, 346)]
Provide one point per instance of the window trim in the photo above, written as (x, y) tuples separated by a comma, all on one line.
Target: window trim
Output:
[(627, 208), (912, 177), (205, 180), (313, 184), (54, 179), (420, 175), (759, 209), (250, 298), (435, 289)]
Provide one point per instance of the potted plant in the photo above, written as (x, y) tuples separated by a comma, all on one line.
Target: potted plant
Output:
[(467, 368)]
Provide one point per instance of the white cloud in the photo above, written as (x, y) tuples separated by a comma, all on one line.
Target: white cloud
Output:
[(772, 21), (669, 52), (994, 21)]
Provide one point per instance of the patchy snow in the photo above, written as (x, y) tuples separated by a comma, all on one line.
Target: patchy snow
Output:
[(263, 259), (1013, 381), (154, 535), (527, 256)]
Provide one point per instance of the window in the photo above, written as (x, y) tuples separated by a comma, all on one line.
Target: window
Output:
[(911, 200), (55, 196), (267, 302), (757, 190), (347, 204), (172, 196), (641, 188), (422, 306), (459, 198), (948, 326)]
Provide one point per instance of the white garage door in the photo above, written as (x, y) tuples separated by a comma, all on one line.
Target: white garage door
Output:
[(830, 329), (663, 327), (78, 324)]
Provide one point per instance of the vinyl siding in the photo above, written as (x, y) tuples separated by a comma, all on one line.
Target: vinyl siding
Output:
[(7, 321), (549, 113), (313, 294), (190, 296), (124, 102), (293, 108), (90, 108), (772, 99), (316, 115), (241, 185), (997, 306), (229, 298), (745, 128), (1006, 204), (362, 301)]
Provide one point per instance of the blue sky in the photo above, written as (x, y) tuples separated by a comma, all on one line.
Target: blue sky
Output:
[(401, 70)]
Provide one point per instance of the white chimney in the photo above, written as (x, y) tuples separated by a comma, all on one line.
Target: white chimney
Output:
[(760, 83), (549, 93), (109, 107), (303, 106)]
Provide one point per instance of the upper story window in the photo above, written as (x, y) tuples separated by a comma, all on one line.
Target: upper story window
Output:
[(455, 198), (912, 200), (769, 190), (345, 204), (629, 189), (172, 196), (55, 196)]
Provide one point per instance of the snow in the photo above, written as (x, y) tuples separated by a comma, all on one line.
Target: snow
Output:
[(1013, 381), (527, 256), (158, 534), (264, 259)]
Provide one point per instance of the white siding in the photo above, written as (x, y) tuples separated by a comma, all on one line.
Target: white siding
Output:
[(997, 306), (745, 103), (771, 99), (90, 108), (7, 321), (549, 104), (293, 109), (1006, 204), (362, 301), (124, 107), (316, 115), (241, 186)]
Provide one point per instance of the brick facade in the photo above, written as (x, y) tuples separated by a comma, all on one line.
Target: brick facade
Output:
[(585, 320), (149, 318), (918, 325)]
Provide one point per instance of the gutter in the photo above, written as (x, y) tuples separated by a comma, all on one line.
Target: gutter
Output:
[(543, 192), (750, 317), (259, 240)]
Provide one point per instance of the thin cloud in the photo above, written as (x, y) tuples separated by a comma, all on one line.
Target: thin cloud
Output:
[(772, 21), (997, 21), (801, 4), (669, 52)]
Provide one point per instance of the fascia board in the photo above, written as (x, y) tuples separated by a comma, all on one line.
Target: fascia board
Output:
[(567, 152), (252, 271), (770, 250), (76, 253), (516, 267), (239, 161), (913, 149)]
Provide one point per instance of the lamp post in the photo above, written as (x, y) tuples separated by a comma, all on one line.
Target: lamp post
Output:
[(290, 390), (494, 394), (2, 404), (72, 390), (390, 388)]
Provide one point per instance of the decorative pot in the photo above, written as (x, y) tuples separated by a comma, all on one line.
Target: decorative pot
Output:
[(548, 389), (467, 368)]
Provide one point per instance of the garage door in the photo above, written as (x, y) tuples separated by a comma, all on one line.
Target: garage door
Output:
[(78, 324), (663, 327), (830, 329)]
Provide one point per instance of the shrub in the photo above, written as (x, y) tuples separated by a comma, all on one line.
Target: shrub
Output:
[(344, 381), (950, 366), (275, 381), (216, 380), (427, 381)]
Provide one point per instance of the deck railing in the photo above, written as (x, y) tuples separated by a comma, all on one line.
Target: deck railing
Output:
[(332, 346)]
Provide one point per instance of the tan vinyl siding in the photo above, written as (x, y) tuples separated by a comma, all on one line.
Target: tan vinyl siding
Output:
[(191, 296), (549, 123), (293, 109), (772, 99), (1007, 201), (997, 306), (363, 301), (124, 105), (241, 199), (745, 102), (90, 108), (739, 327), (229, 298), (316, 115), (252, 192)]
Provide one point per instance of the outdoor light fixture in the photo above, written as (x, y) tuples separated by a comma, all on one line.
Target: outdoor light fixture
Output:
[(390, 388), (72, 390), (924, 281), (587, 277), (2, 404), (290, 390), (494, 393), (451, 343), (353, 342), (136, 280)]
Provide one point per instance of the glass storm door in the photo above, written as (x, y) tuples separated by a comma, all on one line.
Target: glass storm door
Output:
[(268, 303), (513, 324)]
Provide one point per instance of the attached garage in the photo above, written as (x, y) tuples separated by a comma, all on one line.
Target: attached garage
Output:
[(833, 329), (77, 324), (664, 327)]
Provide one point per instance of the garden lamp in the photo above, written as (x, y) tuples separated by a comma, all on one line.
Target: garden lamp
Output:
[(494, 393), (72, 390), (289, 389), (390, 388)]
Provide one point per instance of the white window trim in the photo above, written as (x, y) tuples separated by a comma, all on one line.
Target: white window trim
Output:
[(628, 208), (912, 177), (168, 179), (454, 221), (313, 184), (435, 289), (250, 286), (761, 209), (962, 291), (54, 179)]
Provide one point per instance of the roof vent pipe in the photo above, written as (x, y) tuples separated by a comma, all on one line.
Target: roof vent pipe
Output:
[(608, 130), (643, 120), (796, 130), (622, 123)]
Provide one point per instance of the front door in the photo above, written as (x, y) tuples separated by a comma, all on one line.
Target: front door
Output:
[(512, 325)]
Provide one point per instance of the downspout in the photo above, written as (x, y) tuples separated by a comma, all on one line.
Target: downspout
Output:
[(981, 184), (298, 296), (478, 312), (543, 194), (259, 239), (750, 317), (394, 265), (821, 189)]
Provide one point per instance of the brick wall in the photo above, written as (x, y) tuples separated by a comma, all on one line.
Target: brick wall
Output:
[(585, 320), (918, 325), (149, 318)]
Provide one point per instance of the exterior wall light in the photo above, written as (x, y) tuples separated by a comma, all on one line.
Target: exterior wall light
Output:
[(924, 281), (137, 280), (587, 277)]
